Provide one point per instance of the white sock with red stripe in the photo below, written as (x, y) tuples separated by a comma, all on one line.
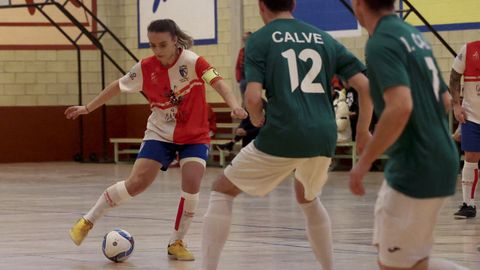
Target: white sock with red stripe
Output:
[(469, 182), (111, 197), (216, 227), (319, 232), (186, 210)]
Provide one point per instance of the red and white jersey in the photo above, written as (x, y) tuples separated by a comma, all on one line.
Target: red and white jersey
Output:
[(176, 95), (467, 63)]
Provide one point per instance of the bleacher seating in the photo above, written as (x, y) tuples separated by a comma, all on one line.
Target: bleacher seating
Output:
[(225, 129)]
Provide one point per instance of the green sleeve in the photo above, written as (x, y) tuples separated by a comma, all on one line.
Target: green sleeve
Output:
[(443, 85), (387, 63), (347, 64), (255, 60)]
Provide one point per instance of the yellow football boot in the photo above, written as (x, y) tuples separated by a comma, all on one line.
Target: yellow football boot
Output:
[(80, 230), (178, 251)]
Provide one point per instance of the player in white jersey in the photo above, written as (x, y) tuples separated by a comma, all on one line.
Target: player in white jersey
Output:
[(173, 79), (467, 113)]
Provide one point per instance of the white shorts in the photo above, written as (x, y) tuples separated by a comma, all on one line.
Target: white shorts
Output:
[(404, 227), (258, 173)]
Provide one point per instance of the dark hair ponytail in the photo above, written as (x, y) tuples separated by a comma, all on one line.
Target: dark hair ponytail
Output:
[(166, 25)]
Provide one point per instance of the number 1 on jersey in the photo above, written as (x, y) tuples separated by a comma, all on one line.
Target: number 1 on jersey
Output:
[(435, 79), (307, 85)]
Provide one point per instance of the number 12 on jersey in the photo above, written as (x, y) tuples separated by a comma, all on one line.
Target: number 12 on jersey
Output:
[(307, 85)]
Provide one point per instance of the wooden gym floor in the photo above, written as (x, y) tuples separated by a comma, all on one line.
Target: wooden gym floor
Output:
[(40, 201)]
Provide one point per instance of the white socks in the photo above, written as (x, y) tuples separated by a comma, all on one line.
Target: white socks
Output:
[(111, 197), (216, 227), (469, 182), (441, 264), (319, 232), (186, 210)]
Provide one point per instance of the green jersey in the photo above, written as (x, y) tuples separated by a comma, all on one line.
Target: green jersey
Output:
[(295, 62), (423, 161)]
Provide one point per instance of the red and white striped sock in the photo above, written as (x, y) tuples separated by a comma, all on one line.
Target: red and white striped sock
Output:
[(469, 182), (185, 213)]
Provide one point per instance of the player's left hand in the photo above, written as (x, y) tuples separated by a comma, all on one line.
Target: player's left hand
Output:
[(75, 111), (357, 174), (239, 113)]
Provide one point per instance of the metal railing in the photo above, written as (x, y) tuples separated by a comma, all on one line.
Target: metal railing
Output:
[(404, 13), (412, 9), (95, 37)]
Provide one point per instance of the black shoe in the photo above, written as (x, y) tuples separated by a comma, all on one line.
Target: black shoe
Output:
[(226, 146), (466, 211)]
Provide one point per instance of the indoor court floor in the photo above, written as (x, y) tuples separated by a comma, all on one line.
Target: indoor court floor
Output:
[(41, 201)]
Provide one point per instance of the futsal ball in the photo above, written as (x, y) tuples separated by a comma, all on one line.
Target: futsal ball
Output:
[(117, 245)]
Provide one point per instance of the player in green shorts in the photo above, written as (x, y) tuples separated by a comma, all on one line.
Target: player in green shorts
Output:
[(411, 100)]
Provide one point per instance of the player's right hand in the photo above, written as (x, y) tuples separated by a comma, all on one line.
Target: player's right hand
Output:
[(362, 139), (239, 113), (357, 173), (459, 113), (74, 111)]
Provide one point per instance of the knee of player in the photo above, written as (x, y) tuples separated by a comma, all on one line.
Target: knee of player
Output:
[(223, 185), (136, 184), (302, 200), (191, 185), (473, 157)]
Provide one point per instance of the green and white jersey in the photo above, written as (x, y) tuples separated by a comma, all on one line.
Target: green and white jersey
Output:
[(423, 161), (295, 62)]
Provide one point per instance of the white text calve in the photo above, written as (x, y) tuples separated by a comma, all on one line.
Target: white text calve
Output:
[(286, 37)]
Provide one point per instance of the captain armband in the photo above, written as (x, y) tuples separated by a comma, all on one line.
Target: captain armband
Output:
[(211, 76)]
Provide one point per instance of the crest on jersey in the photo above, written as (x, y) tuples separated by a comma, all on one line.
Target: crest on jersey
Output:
[(183, 71)]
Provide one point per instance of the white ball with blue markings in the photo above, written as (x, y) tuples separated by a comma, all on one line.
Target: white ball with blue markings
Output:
[(117, 245)]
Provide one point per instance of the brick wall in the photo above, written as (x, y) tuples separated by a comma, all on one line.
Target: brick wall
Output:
[(49, 78), (36, 78), (356, 45)]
